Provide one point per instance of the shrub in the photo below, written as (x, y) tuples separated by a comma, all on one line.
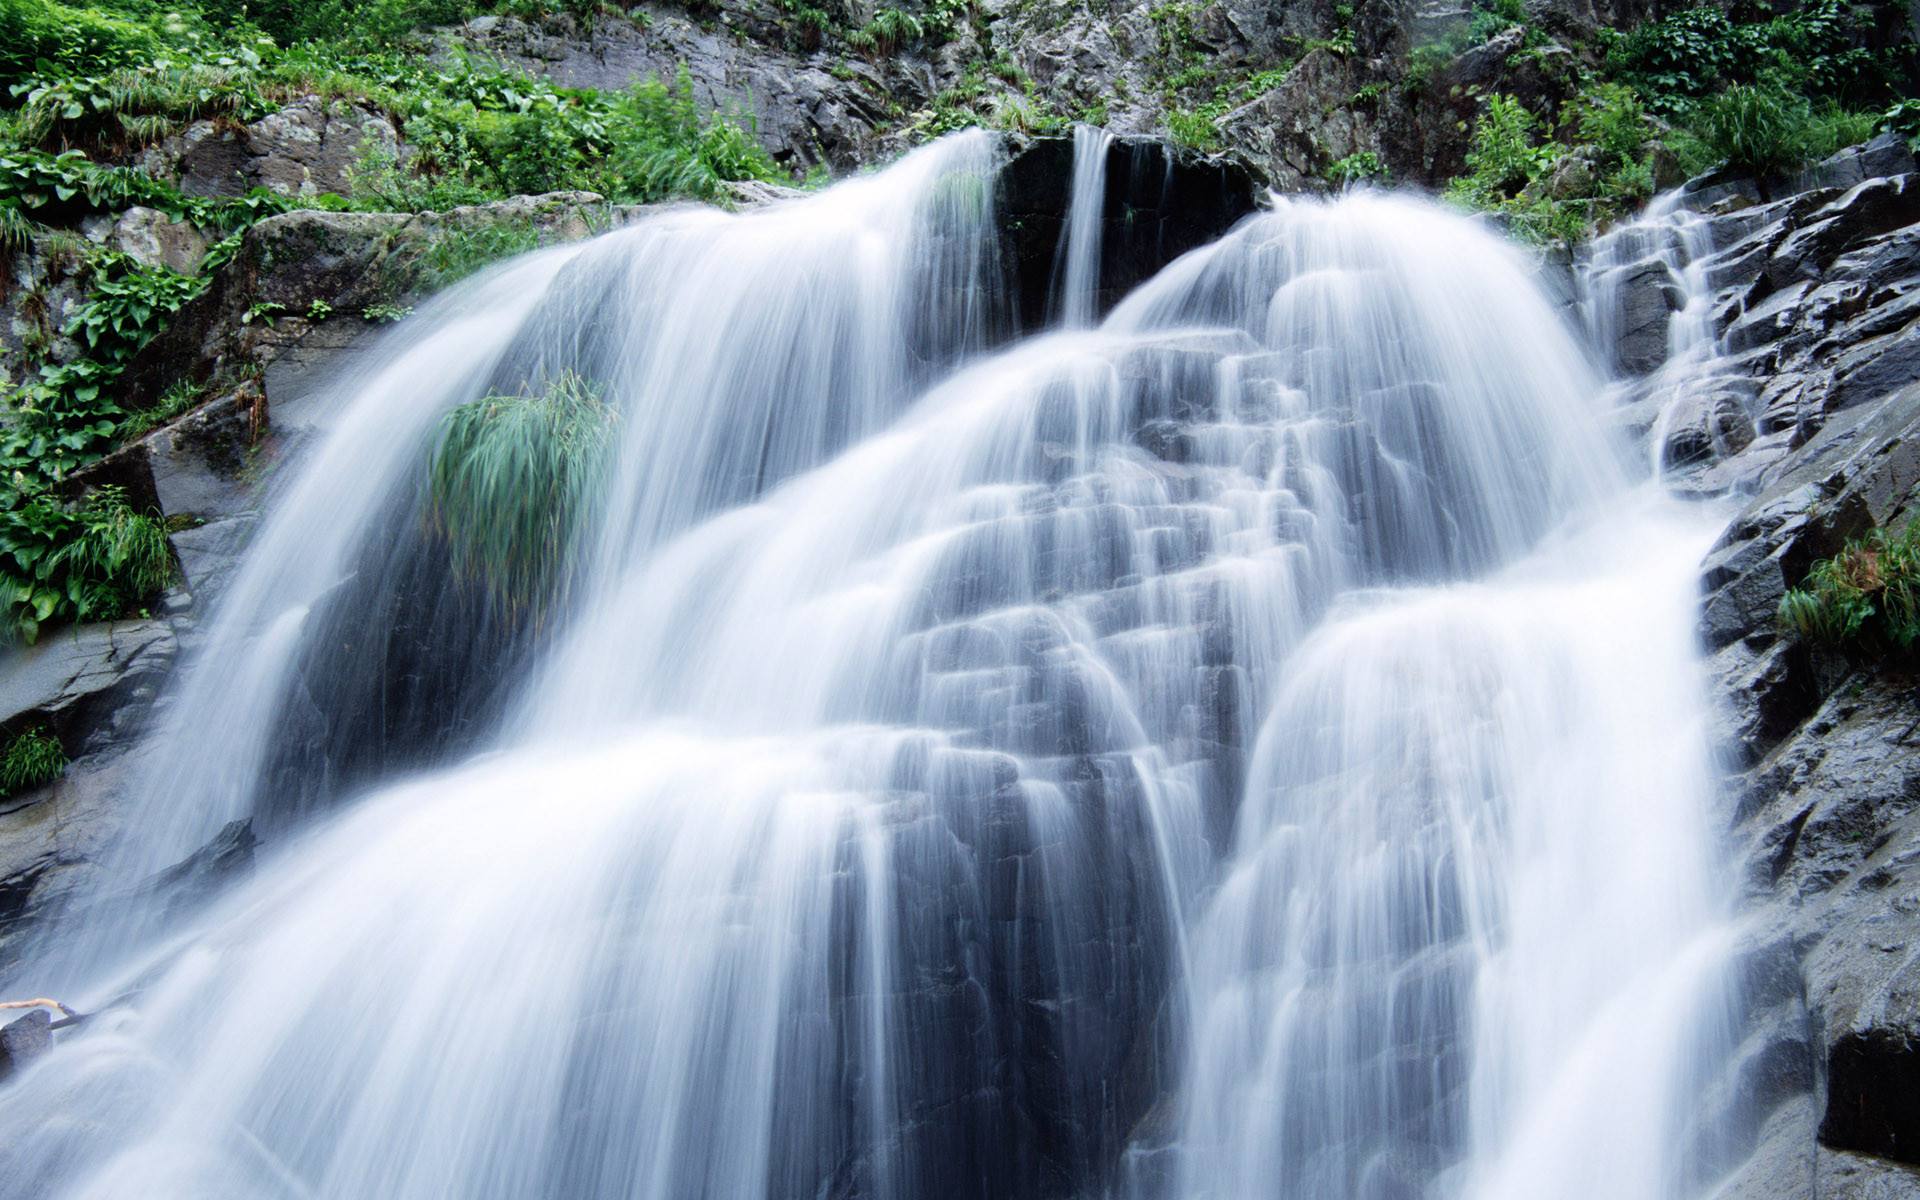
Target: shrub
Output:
[(1610, 118), (1195, 129), (1867, 596), (135, 105), (31, 759), (1504, 156), (1904, 119), (513, 481), (1766, 128), (892, 28)]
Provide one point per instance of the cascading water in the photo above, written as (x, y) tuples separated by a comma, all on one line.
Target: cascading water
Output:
[(1076, 268), (1647, 284), (737, 351), (1090, 767)]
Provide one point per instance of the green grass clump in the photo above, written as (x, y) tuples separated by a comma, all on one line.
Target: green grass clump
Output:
[(512, 483), (459, 253), (30, 759), (1866, 597), (1767, 129)]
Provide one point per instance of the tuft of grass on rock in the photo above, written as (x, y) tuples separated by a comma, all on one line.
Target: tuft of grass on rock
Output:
[(32, 758), (1865, 598)]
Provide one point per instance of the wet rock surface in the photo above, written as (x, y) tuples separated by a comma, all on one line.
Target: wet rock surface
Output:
[(1814, 305), (1159, 204)]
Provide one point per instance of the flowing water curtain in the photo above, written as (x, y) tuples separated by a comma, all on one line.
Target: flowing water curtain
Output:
[(1446, 958), (849, 839), (733, 351)]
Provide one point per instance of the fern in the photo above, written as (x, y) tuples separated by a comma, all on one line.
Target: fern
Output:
[(1866, 596)]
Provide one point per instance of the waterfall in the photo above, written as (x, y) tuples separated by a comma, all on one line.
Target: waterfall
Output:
[(1648, 286), (1215, 753), (1076, 267)]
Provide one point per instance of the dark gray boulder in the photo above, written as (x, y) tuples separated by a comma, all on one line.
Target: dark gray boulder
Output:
[(305, 148), (25, 1039)]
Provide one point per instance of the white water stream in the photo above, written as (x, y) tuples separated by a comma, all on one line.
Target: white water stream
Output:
[(1248, 748)]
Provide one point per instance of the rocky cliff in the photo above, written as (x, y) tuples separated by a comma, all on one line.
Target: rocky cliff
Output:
[(1808, 420)]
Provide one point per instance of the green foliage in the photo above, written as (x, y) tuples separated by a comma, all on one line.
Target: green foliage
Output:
[(37, 31), (479, 134), (1904, 119), (1766, 129), (459, 253), (1819, 51), (138, 104), (1867, 597), (1611, 119), (32, 758), (1763, 96), (385, 314), (16, 228), (1355, 168), (1199, 130), (70, 183), (67, 417), (513, 481), (177, 399), (890, 29), (94, 561), (373, 22), (1507, 167)]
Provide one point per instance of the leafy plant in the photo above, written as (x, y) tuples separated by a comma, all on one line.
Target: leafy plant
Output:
[(514, 479), (67, 417), (1196, 129), (95, 561), (32, 758), (41, 31), (1767, 129), (135, 105), (1904, 119), (892, 28), (1355, 168), (1865, 597), (177, 399), (16, 228), (385, 314)]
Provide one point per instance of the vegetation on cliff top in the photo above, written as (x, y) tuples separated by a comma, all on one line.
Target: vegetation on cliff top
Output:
[(84, 89), (1757, 92)]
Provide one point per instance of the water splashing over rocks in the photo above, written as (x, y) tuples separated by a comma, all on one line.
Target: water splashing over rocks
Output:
[(1205, 754)]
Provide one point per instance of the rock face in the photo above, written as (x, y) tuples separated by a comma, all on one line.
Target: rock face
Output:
[(306, 148), (1813, 417), (306, 271), (806, 108), (1159, 204)]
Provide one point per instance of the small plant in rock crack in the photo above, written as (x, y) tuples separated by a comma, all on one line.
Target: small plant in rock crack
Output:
[(30, 759), (1865, 597)]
